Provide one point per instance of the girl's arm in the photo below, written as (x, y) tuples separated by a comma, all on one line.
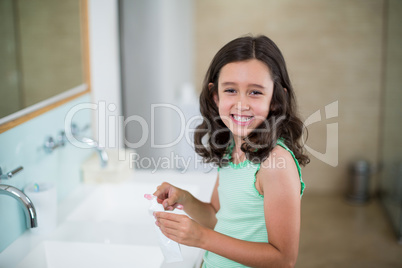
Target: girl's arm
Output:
[(202, 212), (281, 189)]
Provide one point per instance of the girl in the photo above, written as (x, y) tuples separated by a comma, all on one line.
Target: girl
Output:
[(250, 129)]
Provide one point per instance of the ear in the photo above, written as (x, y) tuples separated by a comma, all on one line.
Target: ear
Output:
[(215, 94), (285, 89), (273, 107), (210, 86)]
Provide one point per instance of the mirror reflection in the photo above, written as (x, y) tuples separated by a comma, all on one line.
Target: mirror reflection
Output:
[(40, 51)]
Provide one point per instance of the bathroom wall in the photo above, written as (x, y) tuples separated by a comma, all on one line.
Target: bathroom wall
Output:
[(334, 52), (23, 146)]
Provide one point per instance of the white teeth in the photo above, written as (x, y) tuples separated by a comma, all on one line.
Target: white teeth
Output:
[(241, 118)]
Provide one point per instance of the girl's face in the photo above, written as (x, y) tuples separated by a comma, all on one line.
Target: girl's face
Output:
[(244, 96)]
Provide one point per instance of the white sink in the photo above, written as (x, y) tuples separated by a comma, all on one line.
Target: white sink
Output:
[(119, 203), (108, 225), (56, 254)]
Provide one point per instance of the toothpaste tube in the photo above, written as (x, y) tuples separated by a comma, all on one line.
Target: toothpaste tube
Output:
[(170, 249)]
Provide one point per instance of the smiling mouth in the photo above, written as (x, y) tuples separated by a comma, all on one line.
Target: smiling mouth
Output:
[(241, 119)]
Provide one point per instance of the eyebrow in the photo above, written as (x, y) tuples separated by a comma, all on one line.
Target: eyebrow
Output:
[(234, 84)]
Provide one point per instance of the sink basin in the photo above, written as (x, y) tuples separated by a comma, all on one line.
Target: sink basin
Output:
[(108, 225), (50, 254), (119, 203)]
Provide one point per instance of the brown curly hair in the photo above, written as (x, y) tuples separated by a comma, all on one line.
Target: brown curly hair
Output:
[(212, 137)]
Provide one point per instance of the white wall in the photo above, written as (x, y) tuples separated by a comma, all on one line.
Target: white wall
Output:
[(157, 45), (105, 71)]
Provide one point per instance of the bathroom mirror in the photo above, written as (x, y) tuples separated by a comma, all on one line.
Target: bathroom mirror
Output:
[(44, 57)]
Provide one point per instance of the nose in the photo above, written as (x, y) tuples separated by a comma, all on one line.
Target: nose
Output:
[(242, 104)]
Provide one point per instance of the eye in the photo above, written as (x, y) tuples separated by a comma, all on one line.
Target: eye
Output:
[(229, 90), (255, 92)]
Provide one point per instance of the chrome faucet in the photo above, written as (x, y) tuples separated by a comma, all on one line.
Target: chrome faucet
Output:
[(103, 157), (9, 174), (24, 201)]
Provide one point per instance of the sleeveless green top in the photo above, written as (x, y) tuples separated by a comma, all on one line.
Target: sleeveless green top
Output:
[(241, 213)]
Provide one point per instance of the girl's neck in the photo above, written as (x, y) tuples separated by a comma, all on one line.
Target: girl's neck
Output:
[(238, 155)]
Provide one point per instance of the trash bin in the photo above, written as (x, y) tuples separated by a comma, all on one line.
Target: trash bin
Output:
[(358, 182)]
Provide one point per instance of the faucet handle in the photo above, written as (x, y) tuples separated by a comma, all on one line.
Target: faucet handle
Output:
[(50, 144), (76, 131), (10, 174)]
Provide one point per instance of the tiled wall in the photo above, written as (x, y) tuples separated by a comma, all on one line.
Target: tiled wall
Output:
[(47, 30), (23, 146), (334, 52), (9, 93)]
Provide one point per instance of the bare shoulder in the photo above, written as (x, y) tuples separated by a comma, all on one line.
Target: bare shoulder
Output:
[(278, 173)]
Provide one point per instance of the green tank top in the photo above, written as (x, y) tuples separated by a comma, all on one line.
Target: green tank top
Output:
[(241, 213)]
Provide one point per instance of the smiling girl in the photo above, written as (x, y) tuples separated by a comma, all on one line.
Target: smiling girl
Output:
[(250, 125)]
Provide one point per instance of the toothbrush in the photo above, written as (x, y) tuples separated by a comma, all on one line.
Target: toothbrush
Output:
[(150, 197)]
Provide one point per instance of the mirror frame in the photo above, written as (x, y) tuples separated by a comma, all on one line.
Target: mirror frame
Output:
[(58, 100)]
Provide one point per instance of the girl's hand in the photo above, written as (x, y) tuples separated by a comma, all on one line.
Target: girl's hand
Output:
[(180, 228), (170, 196)]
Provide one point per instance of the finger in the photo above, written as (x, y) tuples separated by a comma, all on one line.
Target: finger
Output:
[(169, 233), (158, 199), (169, 208), (170, 203), (161, 190), (159, 193), (168, 216), (168, 224), (174, 206), (162, 215)]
